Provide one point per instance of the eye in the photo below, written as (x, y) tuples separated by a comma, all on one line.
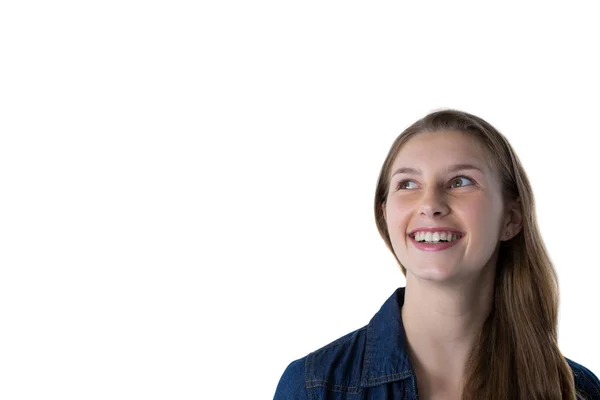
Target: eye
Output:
[(458, 179), (401, 184)]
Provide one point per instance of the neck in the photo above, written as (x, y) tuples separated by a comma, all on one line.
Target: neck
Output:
[(442, 323)]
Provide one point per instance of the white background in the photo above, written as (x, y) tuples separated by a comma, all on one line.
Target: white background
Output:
[(186, 188)]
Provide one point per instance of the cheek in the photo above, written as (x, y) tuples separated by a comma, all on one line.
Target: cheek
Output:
[(396, 214), (397, 222), (473, 213), (483, 219)]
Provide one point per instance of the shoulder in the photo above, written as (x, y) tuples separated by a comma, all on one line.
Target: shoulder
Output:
[(292, 384), (336, 366), (586, 382)]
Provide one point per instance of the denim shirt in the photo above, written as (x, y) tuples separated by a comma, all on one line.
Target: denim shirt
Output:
[(372, 363)]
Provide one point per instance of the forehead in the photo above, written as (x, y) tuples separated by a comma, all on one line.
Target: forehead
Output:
[(437, 150)]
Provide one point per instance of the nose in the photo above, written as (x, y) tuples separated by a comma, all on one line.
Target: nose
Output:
[(433, 203)]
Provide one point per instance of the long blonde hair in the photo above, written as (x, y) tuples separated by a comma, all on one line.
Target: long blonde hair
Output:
[(517, 354)]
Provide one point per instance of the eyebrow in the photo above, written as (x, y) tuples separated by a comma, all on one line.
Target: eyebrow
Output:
[(452, 168)]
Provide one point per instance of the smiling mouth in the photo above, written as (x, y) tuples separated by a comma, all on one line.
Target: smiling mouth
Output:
[(433, 239)]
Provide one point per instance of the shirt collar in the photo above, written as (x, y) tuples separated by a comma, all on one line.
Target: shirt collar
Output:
[(386, 355)]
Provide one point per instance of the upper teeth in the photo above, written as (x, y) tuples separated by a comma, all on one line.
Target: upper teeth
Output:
[(436, 236)]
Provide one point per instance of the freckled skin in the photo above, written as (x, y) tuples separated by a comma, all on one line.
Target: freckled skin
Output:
[(438, 198)]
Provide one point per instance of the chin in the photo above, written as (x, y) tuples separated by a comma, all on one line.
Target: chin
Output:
[(435, 277), (433, 273)]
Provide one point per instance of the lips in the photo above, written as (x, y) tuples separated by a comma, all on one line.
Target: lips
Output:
[(434, 246), (435, 229)]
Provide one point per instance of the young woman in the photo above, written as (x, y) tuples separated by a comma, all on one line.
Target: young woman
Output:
[(478, 316)]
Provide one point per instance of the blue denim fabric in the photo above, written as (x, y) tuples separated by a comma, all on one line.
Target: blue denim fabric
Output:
[(372, 363)]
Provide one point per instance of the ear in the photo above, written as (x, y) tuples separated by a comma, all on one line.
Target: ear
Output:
[(513, 220)]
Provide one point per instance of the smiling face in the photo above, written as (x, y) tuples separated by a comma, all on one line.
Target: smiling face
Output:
[(432, 185)]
